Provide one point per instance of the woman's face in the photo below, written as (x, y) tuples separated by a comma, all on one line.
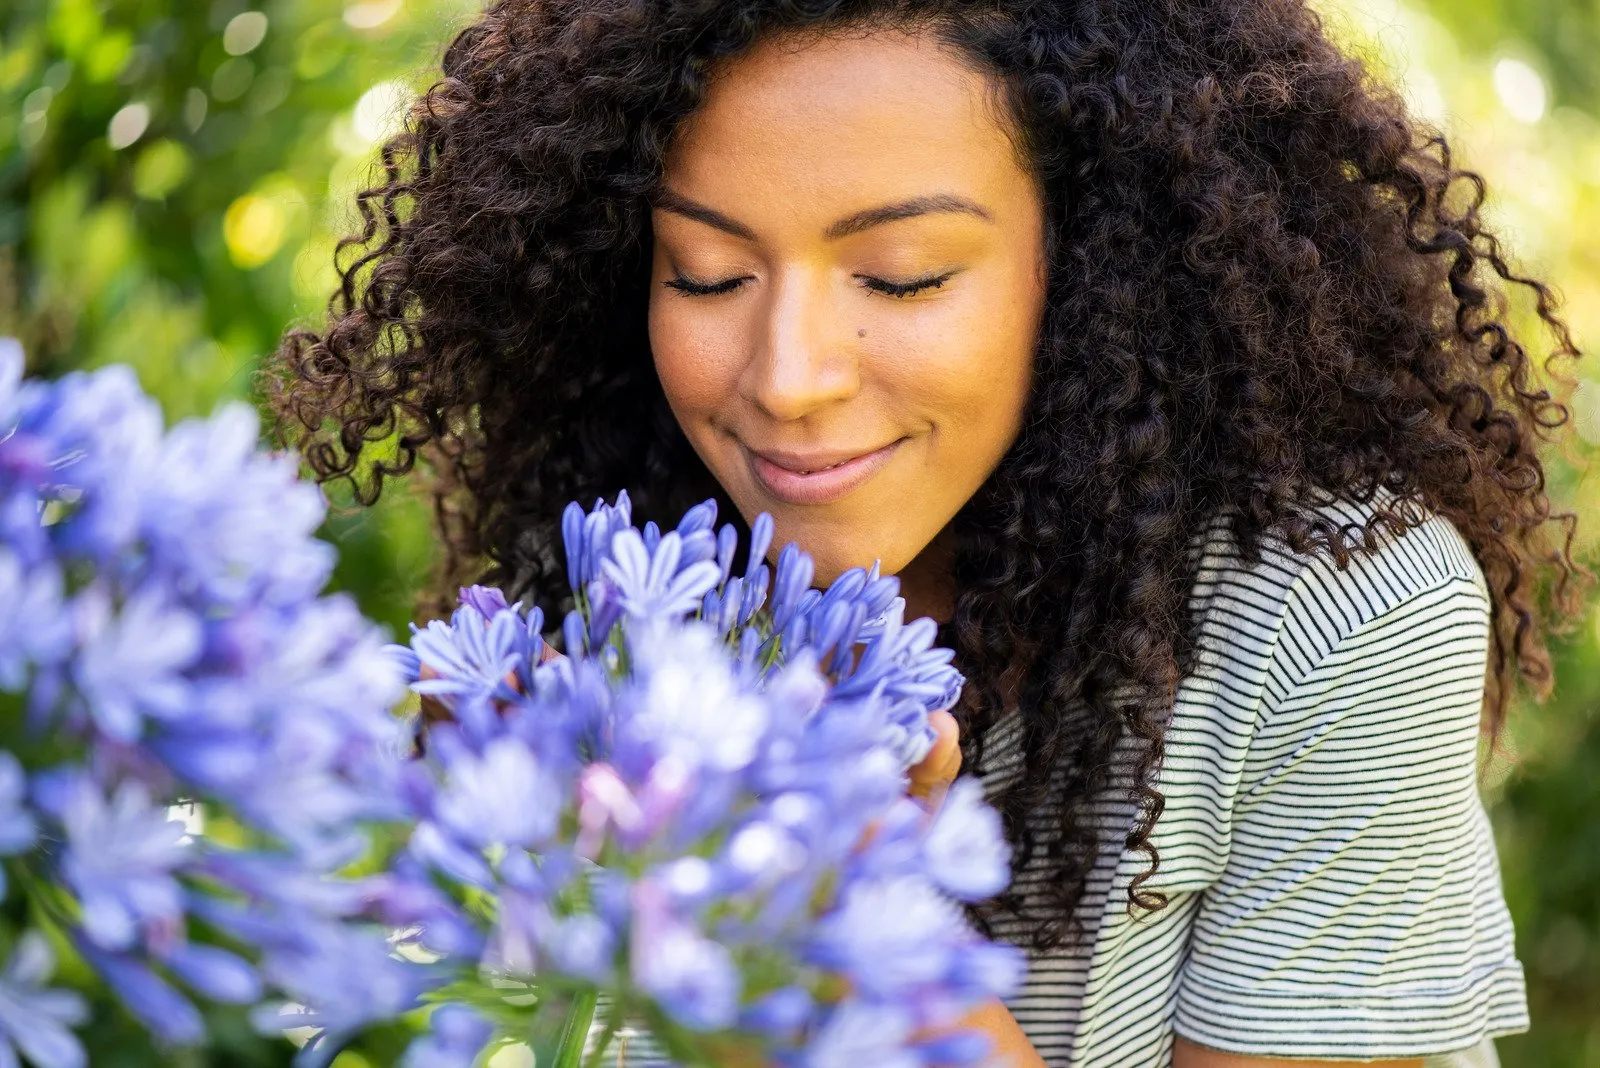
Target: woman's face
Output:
[(848, 274)]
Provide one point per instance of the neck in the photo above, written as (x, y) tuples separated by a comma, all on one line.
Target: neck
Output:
[(928, 583)]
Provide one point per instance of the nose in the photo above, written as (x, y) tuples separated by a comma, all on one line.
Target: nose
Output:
[(800, 362)]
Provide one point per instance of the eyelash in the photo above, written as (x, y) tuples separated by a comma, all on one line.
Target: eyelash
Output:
[(877, 285)]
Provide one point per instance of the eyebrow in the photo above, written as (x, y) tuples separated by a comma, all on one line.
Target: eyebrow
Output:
[(678, 204)]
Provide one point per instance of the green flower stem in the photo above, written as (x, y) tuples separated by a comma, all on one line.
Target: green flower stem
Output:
[(575, 1031)]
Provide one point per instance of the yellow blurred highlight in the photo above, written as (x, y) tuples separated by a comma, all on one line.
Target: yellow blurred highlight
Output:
[(105, 58), (511, 1055), (76, 25), (313, 276), (254, 229), (161, 168), (350, 1059)]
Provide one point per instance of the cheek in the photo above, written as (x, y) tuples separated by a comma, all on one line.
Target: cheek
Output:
[(695, 359), (966, 366)]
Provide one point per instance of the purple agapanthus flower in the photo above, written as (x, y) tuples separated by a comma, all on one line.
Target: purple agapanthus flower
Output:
[(18, 828), (120, 856), (343, 979), (729, 776), (168, 1015), (456, 1036), (35, 626), (651, 583), (36, 1021), (501, 798), (965, 846), (693, 978), (162, 622)]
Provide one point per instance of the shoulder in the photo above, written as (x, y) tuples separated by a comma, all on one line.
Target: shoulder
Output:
[(1292, 648), (1317, 686), (1299, 608)]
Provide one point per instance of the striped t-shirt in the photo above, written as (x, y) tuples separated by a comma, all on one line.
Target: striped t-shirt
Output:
[(1332, 880)]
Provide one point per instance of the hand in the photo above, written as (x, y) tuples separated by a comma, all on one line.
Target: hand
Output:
[(931, 778)]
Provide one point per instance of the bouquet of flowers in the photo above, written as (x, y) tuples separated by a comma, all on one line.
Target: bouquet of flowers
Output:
[(700, 811), (693, 822)]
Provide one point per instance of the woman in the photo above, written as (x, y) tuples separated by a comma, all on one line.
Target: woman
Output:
[(1152, 345)]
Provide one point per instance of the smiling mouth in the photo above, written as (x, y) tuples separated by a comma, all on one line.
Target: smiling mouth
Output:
[(800, 480)]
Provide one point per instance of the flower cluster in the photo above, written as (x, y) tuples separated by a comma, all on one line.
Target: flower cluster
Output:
[(700, 812), (696, 819), (163, 637)]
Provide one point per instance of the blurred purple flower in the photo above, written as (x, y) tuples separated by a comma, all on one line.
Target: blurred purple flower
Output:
[(693, 979), (35, 629), (189, 654), (500, 798), (891, 937), (167, 1014), (35, 1020), (965, 847), (686, 701), (857, 1033), (217, 973), (119, 859), (18, 828), (343, 978), (456, 1035), (134, 658)]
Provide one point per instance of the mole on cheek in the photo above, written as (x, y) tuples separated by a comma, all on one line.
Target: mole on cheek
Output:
[(861, 333)]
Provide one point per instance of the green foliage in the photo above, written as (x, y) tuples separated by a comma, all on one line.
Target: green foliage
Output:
[(174, 173)]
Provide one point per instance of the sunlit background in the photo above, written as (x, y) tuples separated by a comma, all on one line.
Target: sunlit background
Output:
[(174, 173)]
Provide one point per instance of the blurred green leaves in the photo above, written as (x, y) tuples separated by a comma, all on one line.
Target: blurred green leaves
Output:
[(174, 173), (173, 176)]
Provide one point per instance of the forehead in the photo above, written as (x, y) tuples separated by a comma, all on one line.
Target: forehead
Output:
[(844, 118)]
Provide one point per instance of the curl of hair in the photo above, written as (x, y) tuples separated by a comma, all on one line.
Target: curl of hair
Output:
[(1268, 285)]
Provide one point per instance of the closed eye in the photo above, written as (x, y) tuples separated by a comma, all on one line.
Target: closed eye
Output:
[(878, 285), (905, 289), (704, 289)]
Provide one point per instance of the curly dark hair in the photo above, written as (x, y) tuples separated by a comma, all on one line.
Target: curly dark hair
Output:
[(1267, 284)]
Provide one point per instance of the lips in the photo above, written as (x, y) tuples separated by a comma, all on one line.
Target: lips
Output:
[(812, 463), (816, 477)]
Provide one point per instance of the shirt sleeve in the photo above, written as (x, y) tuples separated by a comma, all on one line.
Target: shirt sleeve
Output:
[(1359, 914)]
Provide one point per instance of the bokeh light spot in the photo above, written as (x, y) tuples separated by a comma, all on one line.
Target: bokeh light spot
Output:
[(128, 124), (381, 111), (244, 32), (160, 169), (195, 105), (511, 1055), (232, 79), (107, 56), (1521, 90), (253, 228), (370, 14)]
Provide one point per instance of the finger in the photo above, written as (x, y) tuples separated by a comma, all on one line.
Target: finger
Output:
[(936, 771)]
